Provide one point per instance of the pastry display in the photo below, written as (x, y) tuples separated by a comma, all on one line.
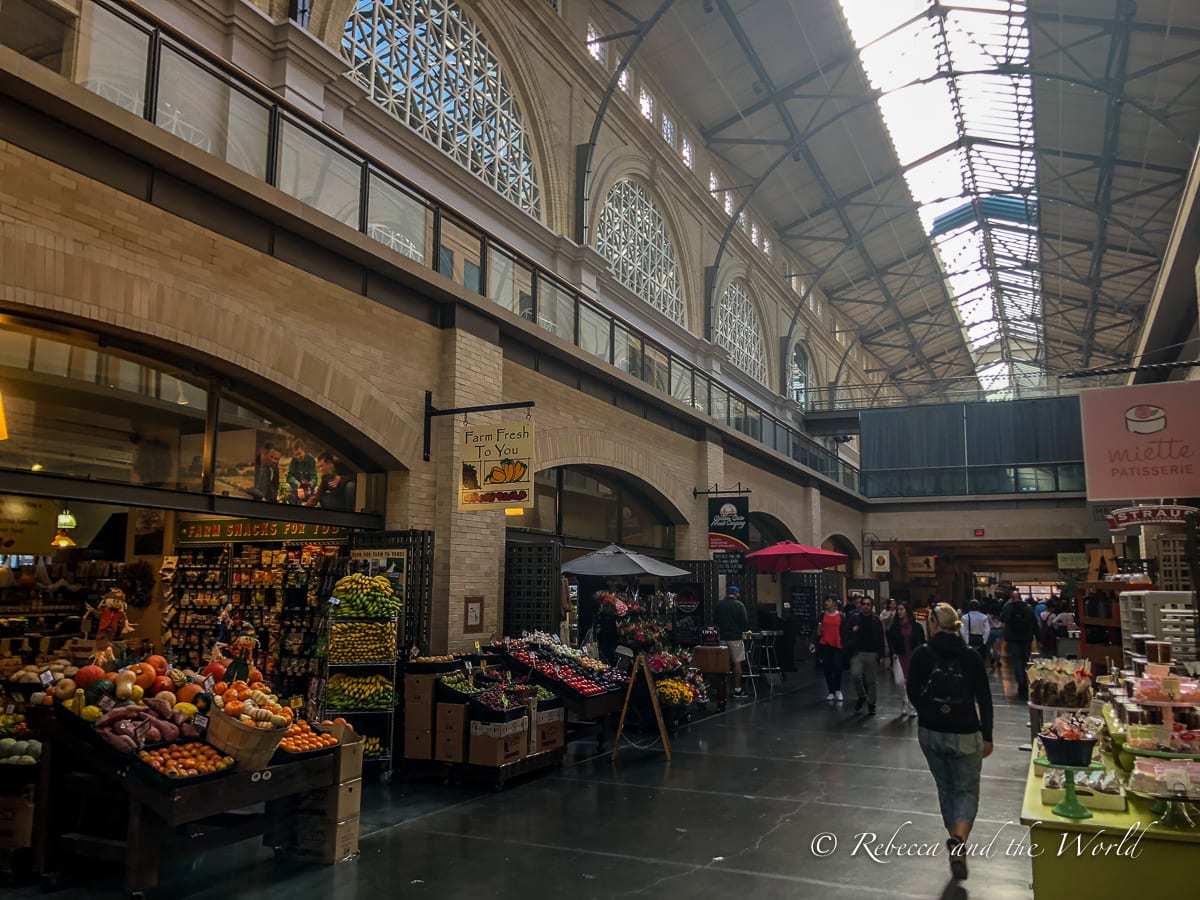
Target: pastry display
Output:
[(1061, 683), (1166, 777)]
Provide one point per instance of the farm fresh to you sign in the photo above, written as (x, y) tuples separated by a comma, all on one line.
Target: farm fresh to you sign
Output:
[(497, 466)]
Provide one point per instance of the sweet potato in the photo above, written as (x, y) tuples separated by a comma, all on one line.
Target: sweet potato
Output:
[(179, 716), (188, 730), (116, 715), (122, 742), (168, 730), (160, 708)]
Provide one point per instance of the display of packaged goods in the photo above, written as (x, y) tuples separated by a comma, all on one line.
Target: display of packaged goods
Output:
[(1060, 683), (1167, 689), (1167, 778), (1097, 790), (1159, 738)]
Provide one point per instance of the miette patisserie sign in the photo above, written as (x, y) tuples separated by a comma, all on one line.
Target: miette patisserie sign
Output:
[(1142, 441)]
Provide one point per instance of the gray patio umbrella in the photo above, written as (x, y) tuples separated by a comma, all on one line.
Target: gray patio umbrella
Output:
[(617, 561)]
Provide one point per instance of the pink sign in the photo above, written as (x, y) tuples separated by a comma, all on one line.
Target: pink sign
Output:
[(1142, 441)]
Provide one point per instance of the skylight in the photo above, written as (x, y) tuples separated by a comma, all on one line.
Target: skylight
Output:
[(957, 100)]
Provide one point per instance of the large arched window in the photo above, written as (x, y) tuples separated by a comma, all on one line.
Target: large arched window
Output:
[(632, 236), (738, 331), (428, 65), (800, 375)]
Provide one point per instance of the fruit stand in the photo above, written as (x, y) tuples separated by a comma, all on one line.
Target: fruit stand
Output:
[(77, 779)]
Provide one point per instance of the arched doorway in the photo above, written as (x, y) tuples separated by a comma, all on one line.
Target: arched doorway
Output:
[(578, 509)]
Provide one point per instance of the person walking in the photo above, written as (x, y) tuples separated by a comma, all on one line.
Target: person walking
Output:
[(887, 614), (732, 622), (949, 687), (995, 634), (904, 636), (1020, 629), (870, 647), (828, 647), (975, 628)]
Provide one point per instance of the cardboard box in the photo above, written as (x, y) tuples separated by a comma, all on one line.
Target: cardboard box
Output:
[(418, 716), (452, 717), (418, 689), (347, 766), (418, 744), (546, 716), (326, 842), (334, 803), (551, 736), (16, 823), (450, 746), (494, 744)]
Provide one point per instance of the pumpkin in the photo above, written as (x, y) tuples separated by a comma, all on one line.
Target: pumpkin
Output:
[(159, 663), (88, 675), (219, 689), (233, 708), (64, 690), (188, 693), (162, 684), (215, 670), (143, 675), (254, 676)]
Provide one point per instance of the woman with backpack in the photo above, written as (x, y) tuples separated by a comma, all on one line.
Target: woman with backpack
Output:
[(948, 685)]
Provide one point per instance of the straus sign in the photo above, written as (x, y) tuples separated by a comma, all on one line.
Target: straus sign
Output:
[(728, 523)]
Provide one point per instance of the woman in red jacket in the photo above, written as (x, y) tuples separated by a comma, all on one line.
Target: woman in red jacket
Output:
[(828, 648)]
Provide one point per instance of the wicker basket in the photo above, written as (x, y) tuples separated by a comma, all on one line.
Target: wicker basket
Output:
[(251, 747)]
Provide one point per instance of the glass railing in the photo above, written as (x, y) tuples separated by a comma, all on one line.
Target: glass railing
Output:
[(130, 60), (957, 481)]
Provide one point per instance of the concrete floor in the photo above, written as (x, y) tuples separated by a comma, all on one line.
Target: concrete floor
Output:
[(734, 814)]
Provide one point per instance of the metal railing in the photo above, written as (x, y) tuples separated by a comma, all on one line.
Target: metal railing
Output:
[(124, 56), (960, 481)]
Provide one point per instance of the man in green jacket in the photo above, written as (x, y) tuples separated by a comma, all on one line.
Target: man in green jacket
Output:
[(732, 622)]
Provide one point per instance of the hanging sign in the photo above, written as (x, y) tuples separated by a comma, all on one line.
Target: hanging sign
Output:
[(1161, 514), (881, 561), (1142, 441), (729, 523), (729, 563), (250, 531), (26, 525), (497, 466)]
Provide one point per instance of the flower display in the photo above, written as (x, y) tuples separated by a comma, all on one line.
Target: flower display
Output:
[(675, 692)]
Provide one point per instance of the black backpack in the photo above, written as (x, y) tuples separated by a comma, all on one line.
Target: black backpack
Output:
[(947, 695)]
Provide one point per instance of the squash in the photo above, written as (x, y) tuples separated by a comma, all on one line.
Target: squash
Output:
[(89, 675), (260, 715), (64, 690), (37, 698), (125, 690), (203, 703), (233, 708)]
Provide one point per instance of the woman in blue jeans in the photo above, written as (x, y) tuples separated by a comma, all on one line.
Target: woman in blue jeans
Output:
[(948, 685)]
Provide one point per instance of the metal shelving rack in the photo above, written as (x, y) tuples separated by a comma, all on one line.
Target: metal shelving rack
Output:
[(391, 668)]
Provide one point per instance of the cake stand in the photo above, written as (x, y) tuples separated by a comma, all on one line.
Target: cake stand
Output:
[(1069, 806)]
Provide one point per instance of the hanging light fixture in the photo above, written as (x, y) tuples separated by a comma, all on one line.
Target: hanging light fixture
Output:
[(62, 541), (66, 521)]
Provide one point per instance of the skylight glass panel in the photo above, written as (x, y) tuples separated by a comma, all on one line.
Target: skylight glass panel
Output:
[(981, 190)]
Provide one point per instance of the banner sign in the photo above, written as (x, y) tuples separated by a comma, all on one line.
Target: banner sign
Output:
[(497, 466), (251, 531), (1069, 562), (1142, 441), (729, 523), (1133, 516)]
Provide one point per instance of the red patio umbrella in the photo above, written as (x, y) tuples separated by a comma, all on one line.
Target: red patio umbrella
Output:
[(788, 556)]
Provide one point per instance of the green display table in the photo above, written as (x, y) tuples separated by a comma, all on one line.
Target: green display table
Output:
[(1111, 856)]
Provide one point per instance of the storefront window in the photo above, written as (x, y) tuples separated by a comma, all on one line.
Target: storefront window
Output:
[(260, 458), (589, 507), (78, 412)]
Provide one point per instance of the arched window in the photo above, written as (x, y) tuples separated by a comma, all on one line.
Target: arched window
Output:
[(738, 331), (428, 65), (800, 375), (632, 236)]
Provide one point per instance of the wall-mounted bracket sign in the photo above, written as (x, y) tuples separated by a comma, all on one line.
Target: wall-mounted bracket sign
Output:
[(1156, 514), (431, 411)]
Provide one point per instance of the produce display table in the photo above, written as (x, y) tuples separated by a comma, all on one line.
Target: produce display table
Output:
[(1126, 853), (498, 776), (74, 771), (592, 716)]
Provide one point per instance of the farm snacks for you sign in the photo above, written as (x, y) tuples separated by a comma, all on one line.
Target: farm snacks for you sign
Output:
[(1142, 441), (497, 466)]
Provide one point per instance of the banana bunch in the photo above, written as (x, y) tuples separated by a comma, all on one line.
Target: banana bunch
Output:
[(346, 692), (372, 746), (362, 596), (362, 642)]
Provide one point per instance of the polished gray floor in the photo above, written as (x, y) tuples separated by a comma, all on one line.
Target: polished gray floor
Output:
[(788, 796)]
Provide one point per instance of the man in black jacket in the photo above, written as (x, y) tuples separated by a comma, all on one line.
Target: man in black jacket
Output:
[(869, 648), (1020, 628), (948, 685)]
